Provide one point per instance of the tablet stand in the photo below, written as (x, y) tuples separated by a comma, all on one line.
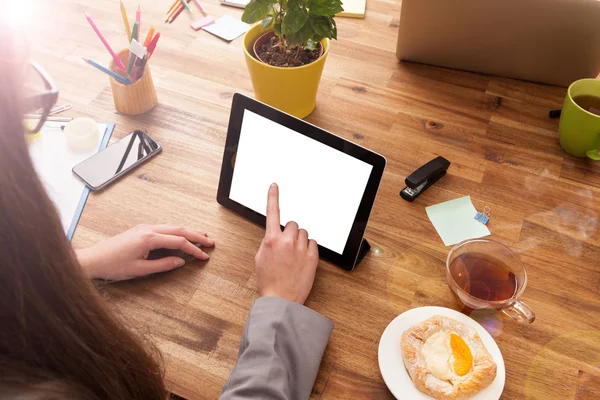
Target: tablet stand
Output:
[(362, 252)]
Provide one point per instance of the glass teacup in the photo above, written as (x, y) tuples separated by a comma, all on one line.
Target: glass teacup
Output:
[(483, 273)]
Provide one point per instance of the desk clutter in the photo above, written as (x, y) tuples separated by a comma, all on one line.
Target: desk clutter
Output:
[(132, 86), (139, 52), (459, 357), (55, 150)]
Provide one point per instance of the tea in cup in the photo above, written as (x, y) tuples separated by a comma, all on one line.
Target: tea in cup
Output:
[(483, 273)]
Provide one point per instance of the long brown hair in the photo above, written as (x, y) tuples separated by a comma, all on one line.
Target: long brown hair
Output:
[(57, 340)]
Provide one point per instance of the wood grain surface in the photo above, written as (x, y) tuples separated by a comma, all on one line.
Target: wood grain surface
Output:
[(496, 132)]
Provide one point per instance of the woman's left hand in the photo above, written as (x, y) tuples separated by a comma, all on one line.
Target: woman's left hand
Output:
[(125, 256)]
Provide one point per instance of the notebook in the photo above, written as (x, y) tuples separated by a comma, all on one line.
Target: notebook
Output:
[(53, 161), (353, 8)]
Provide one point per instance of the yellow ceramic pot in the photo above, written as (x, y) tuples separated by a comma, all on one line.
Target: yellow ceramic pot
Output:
[(292, 90)]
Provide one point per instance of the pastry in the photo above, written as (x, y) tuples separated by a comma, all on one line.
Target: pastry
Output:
[(446, 359)]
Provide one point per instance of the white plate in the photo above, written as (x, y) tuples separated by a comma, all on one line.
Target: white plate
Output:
[(391, 363)]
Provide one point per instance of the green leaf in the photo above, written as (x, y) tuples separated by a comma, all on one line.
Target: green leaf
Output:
[(267, 21), (255, 11), (334, 28), (300, 37), (322, 26), (311, 45), (277, 29), (295, 18), (325, 7)]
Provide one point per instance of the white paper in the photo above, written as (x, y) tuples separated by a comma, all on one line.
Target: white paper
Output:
[(227, 28), (53, 160)]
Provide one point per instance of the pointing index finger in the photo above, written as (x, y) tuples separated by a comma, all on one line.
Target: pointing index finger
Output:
[(273, 225)]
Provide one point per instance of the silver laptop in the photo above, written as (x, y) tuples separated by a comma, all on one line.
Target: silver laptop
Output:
[(548, 41)]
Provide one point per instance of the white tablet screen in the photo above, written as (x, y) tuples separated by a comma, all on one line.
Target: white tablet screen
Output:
[(320, 188)]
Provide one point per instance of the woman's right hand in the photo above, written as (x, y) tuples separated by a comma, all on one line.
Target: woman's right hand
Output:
[(125, 256), (286, 262)]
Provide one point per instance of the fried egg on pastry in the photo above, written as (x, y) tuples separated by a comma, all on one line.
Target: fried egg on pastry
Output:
[(446, 359)]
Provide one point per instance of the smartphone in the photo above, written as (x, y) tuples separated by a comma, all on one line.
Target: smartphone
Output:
[(116, 160)]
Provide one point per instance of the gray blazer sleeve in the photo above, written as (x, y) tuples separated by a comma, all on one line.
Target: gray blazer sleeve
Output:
[(280, 352)]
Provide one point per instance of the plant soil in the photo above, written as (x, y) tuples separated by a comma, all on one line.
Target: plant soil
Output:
[(273, 54)]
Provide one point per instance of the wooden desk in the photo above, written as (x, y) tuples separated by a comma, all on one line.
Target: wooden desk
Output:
[(504, 152)]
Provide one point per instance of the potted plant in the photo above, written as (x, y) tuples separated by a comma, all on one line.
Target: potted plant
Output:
[(286, 52)]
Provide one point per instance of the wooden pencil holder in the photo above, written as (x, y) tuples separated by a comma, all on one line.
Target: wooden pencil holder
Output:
[(136, 98)]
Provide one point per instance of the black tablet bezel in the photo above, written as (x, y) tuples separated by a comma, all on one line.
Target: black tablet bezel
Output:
[(347, 260)]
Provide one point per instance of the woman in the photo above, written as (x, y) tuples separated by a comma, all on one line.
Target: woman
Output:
[(58, 340), (54, 329)]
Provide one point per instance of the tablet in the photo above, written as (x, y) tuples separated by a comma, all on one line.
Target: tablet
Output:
[(326, 184)]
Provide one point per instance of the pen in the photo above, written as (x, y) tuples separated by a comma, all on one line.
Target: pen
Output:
[(60, 109), (138, 51), (107, 71), (139, 67), (112, 53), (55, 110), (51, 119)]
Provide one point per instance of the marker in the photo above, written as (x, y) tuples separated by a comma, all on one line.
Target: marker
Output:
[(149, 36), (152, 45)]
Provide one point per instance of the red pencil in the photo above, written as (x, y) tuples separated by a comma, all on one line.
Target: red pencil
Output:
[(179, 10)]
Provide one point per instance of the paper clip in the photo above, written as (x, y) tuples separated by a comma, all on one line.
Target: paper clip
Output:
[(483, 217)]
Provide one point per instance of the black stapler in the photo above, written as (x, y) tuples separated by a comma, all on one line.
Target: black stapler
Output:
[(421, 179)]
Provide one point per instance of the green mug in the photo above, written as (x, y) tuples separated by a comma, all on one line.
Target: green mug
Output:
[(579, 129)]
